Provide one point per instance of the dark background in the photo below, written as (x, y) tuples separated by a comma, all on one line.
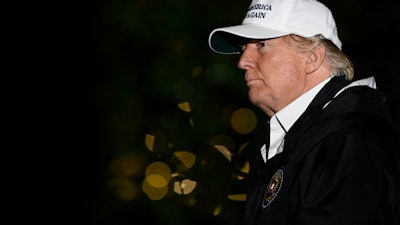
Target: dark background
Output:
[(142, 58)]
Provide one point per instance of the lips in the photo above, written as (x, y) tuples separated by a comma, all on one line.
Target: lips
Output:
[(249, 79), (250, 82)]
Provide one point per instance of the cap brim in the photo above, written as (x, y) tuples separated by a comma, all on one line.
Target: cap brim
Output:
[(227, 40)]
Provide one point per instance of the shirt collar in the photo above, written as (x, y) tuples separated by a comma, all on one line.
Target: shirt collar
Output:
[(290, 113), (283, 120)]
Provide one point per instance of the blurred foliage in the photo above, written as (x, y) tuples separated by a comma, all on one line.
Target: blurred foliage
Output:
[(155, 93)]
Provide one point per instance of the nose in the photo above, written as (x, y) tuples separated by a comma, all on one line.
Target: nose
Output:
[(245, 61)]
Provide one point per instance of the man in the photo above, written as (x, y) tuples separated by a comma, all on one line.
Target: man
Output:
[(333, 155)]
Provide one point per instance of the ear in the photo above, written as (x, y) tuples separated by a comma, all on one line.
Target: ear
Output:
[(314, 59)]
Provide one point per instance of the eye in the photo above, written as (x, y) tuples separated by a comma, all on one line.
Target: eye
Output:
[(261, 44)]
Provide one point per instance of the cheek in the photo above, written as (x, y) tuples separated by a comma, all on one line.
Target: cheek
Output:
[(282, 75), (288, 75), (279, 71), (288, 84)]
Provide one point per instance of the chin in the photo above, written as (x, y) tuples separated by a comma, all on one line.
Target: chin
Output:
[(254, 100), (254, 96)]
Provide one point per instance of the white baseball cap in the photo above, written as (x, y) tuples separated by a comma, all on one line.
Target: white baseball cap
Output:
[(275, 18)]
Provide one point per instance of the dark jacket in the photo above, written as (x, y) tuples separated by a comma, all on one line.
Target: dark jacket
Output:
[(340, 165)]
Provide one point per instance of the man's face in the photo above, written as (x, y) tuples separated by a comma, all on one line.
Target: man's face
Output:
[(275, 73)]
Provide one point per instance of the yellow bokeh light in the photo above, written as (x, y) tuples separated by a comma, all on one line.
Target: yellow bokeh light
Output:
[(246, 167), (243, 120), (158, 174), (224, 151), (243, 147), (149, 140), (184, 106), (237, 197), (239, 177), (217, 210), (156, 180), (156, 141), (187, 158), (184, 187), (152, 192), (191, 122)]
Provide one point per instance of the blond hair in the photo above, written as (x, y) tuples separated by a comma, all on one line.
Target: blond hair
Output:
[(339, 63)]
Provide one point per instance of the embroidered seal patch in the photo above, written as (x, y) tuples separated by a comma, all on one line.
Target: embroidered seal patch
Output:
[(273, 187)]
